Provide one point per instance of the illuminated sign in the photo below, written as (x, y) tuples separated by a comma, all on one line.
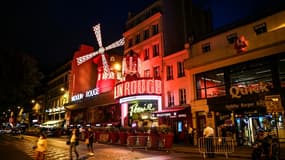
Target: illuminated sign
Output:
[(136, 108), (89, 93), (136, 87), (237, 92)]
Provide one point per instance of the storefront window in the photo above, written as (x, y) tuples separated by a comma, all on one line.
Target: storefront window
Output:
[(251, 74), (282, 72), (210, 84)]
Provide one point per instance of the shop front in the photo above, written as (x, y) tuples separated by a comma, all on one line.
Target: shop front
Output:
[(100, 111), (178, 119), (247, 111), (245, 98), (138, 99)]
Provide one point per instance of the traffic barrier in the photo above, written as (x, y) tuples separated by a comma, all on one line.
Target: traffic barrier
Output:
[(216, 145), (138, 142)]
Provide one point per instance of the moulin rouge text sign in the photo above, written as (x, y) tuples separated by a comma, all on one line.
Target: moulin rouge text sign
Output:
[(143, 86)]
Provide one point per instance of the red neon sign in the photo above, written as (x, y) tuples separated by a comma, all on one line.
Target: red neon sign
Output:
[(137, 87)]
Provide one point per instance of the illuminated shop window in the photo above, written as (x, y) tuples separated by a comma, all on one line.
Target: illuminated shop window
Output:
[(210, 84), (169, 72), (260, 28), (180, 69)]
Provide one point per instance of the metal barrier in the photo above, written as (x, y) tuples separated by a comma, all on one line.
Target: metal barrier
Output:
[(216, 145), (138, 142)]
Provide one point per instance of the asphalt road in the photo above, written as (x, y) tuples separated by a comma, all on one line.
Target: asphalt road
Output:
[(15, 148)]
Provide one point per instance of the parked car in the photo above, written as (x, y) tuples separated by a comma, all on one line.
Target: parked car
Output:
[(53, 128)]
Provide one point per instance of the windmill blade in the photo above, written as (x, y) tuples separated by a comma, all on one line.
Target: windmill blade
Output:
[(86, 57), (118, 43), (97, 32), (105, 67)]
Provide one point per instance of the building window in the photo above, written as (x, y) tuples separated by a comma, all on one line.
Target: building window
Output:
[(182, 96), (232, 38), (112, 59), (138, 38), (206, 47), (130, 43), (146, 54), (154, 29), (170, 99), (180, 69), (146, 34), (155, 50), (156, 72), (210, 84), (259, 29), (169, 72), (147, 73), (251, 75), (282, 72)]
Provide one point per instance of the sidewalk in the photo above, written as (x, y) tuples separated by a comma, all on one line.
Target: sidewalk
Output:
[(243, 152)]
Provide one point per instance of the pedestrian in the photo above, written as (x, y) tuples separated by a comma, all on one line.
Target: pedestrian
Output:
[(209, 136), (41, 147), (190, 135), (73, 141), (89, 139)]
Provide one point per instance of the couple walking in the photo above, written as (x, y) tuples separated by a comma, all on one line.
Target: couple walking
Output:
[(73, 141)]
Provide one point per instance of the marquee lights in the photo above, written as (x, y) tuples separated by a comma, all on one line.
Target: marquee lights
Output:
[(136, 87)]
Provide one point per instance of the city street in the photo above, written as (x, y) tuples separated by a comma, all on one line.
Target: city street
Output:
[(17, 148)]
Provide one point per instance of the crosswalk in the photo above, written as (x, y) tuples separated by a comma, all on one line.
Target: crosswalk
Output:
[(51, 154)]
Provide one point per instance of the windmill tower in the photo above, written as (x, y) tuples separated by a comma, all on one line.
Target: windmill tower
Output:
[(105, 79)]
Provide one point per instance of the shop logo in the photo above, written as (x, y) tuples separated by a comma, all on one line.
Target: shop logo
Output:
[(237, 92), (135, 108)]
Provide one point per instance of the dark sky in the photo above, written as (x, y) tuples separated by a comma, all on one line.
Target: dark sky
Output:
[(51, 30)]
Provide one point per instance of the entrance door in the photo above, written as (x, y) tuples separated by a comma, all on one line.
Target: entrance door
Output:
[(201, 123)]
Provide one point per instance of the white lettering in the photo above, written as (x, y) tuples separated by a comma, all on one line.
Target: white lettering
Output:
[(135, 108), (142, 86)]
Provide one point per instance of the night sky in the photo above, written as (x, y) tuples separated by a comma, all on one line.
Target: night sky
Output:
[(51, 30)]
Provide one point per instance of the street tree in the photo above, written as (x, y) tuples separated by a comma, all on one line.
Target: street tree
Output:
[(19, 77)]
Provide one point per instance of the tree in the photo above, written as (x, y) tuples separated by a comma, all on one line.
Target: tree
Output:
[(19, 77)]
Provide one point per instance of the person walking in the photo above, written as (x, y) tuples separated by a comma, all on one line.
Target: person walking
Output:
[(89, 139), (41, 147), (209, 135), (190, 135), (73, 141)]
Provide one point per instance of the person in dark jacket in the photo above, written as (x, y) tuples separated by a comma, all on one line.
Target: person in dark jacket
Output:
[(89, 139)]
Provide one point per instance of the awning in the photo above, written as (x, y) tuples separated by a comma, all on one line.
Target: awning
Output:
[(172, 112)]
